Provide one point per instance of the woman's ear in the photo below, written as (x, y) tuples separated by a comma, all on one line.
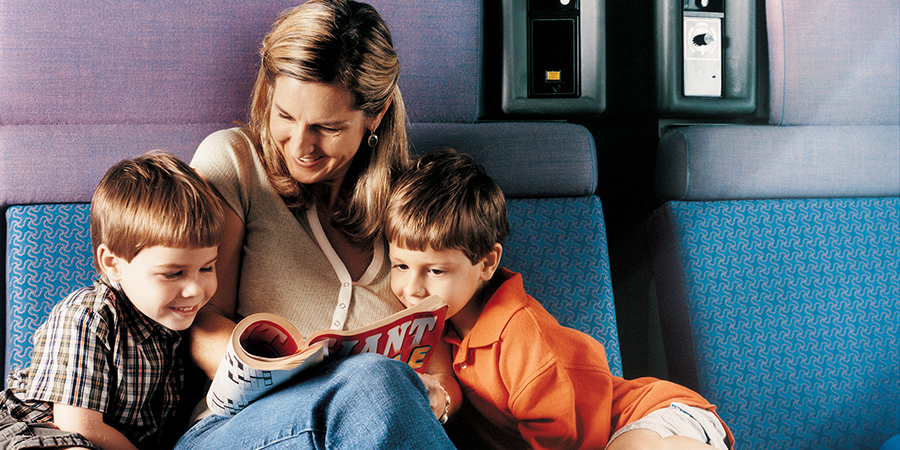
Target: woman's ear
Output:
[(109, 263), (373, 122), (491, 262)]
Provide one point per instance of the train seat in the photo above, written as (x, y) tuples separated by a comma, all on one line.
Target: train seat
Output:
[(87, 84), (776, 254)]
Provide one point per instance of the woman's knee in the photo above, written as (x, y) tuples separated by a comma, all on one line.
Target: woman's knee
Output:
[(374, 372)]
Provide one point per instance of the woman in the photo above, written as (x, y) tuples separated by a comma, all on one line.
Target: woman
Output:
[(306, 184)]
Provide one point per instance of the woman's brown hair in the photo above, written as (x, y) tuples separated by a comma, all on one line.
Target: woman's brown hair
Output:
[(328, 41)]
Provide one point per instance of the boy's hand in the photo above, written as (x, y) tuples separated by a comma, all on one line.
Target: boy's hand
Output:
[(89, 423)]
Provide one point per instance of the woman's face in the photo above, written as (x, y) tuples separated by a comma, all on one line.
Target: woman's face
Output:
[(317, 129)]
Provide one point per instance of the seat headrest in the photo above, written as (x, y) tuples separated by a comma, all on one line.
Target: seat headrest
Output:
[(750, 162), (527, 160)]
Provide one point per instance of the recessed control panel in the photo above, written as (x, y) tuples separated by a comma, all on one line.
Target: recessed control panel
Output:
[(707, 58), (553, 54), (554, 60), (702, 38)]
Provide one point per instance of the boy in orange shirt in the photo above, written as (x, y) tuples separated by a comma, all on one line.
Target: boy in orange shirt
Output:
[(529, 382)]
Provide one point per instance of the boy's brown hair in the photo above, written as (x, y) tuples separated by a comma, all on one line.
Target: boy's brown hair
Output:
[(447, 201), (154, 199)]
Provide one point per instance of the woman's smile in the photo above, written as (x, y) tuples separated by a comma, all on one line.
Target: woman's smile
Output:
[(317, 128), (310, 161)]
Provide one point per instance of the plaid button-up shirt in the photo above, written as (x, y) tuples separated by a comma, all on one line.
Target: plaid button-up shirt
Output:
[(97, 351)]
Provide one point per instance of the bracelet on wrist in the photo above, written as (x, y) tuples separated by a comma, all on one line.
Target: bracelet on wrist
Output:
[(446, 414)]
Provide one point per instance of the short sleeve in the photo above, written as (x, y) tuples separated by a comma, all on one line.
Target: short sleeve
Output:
[(227, 159), (71, 362), (563, 402)]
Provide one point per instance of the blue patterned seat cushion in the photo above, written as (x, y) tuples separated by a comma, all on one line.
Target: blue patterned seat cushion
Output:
[(559, 245), (48, 256), (785, 314)]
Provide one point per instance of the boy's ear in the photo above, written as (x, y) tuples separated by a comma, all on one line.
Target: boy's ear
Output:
[(109, 263), (491, 262)]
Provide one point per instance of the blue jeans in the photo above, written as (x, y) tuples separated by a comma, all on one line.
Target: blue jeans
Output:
[(365, 401)]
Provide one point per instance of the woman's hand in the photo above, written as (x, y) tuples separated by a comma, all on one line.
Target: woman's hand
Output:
[(438, 398), (441, 383), (211, 330)]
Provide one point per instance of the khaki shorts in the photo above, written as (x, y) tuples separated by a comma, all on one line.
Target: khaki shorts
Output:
[(681, 420)]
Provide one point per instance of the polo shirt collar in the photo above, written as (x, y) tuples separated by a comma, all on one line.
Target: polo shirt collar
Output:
[(506, 301)]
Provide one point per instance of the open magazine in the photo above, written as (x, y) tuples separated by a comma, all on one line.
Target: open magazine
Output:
[(266, 349)]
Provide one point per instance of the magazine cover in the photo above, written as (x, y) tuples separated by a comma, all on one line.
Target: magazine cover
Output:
[(266, 350)]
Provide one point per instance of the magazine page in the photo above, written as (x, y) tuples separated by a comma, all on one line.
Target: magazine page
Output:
[(266, 349), (264, 352)]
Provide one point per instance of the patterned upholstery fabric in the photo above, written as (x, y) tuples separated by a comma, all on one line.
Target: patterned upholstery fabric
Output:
[(785, 314), (559, 247), (48, 256)]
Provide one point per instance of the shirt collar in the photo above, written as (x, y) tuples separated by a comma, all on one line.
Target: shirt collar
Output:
[(139, 325), (507, 299)]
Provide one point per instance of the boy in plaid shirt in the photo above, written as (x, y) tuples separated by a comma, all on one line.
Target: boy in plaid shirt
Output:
[(106, 371)]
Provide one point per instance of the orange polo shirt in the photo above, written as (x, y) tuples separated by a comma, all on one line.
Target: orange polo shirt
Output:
[(541, 385)]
